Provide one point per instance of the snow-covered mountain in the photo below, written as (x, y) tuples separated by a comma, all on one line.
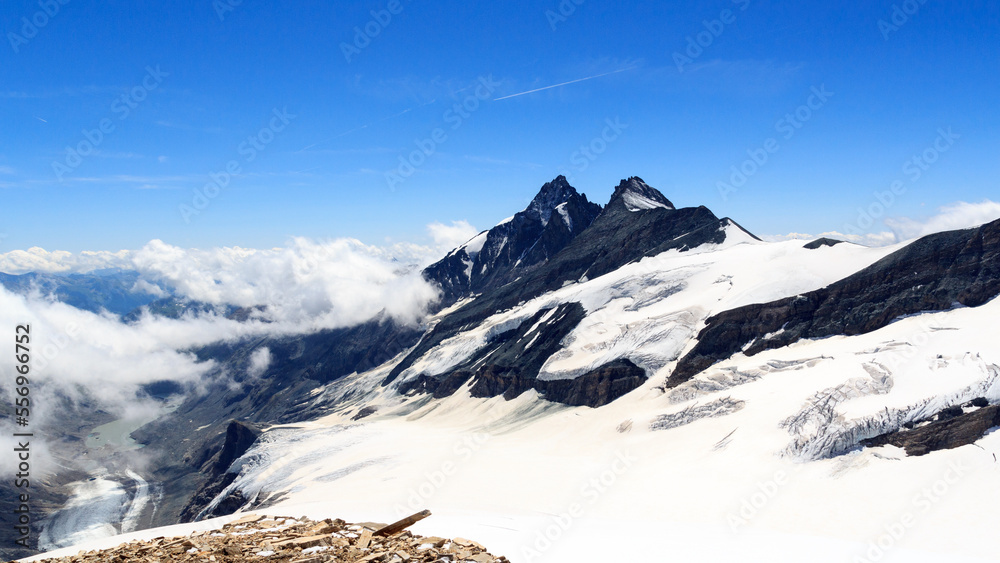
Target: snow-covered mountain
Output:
[(627, 381)]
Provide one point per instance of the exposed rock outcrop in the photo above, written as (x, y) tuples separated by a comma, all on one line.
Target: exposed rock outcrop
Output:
[(291, 540), (240, 437), (935, 273), (821, 242), (952, 430)]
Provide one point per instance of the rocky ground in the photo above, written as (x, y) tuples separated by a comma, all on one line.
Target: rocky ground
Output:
[(295, 540)]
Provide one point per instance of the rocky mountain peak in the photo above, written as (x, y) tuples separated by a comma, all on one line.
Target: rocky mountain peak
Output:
[(552, 194), (637, 195)]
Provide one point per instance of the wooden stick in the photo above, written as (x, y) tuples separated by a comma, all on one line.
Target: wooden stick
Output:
[(403, 524)]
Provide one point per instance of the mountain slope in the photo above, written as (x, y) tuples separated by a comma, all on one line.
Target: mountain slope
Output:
[(638, 222), (756, 459), (935, 273)]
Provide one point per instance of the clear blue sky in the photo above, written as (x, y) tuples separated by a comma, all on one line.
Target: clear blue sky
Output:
[(324, 174)]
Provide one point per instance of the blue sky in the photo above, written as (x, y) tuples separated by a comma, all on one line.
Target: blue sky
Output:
[(180, 89)]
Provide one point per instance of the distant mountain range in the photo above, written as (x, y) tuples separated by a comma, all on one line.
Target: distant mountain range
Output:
[(109, 290)]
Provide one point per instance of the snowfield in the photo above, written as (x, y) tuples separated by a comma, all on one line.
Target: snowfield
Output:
[(756, 459)]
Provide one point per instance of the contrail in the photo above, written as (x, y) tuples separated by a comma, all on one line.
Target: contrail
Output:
[(40, 119), (563, 84)]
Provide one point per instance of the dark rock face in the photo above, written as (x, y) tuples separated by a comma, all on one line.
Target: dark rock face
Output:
[(240, 437), (950, 431), (509, 365), (553, 219), (932, 274), (597, 388), (453, 274), (521, 351), (821, 242)]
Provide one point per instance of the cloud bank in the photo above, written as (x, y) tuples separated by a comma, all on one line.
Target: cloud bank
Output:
[(959, 215), (308, 285), (955, 216)]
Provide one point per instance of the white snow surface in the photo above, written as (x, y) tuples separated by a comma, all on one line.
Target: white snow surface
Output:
[(474, 246), (759, 463), (638, 202), (561, 208)]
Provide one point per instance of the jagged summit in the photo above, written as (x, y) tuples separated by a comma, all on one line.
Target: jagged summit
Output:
[(634, 224), (637, 195), (552, 195), (556, 215)]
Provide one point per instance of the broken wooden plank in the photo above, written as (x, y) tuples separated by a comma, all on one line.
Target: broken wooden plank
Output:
[(403, 524), (365, 539)]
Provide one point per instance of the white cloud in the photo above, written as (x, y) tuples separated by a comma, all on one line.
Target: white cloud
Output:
[(448, 237), (868, 239), (403, 254), (37, 259), (309, 284), (144, 287), (955, 216), (306, 286), (951, 217), (99, 361), (260, 360), (87, 353)]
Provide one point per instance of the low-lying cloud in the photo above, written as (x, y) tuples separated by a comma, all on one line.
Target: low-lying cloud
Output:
[(42, 261), (309, 284), (959, 215), (884, 238), (955, 216), (305, 286), (451, 236)]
